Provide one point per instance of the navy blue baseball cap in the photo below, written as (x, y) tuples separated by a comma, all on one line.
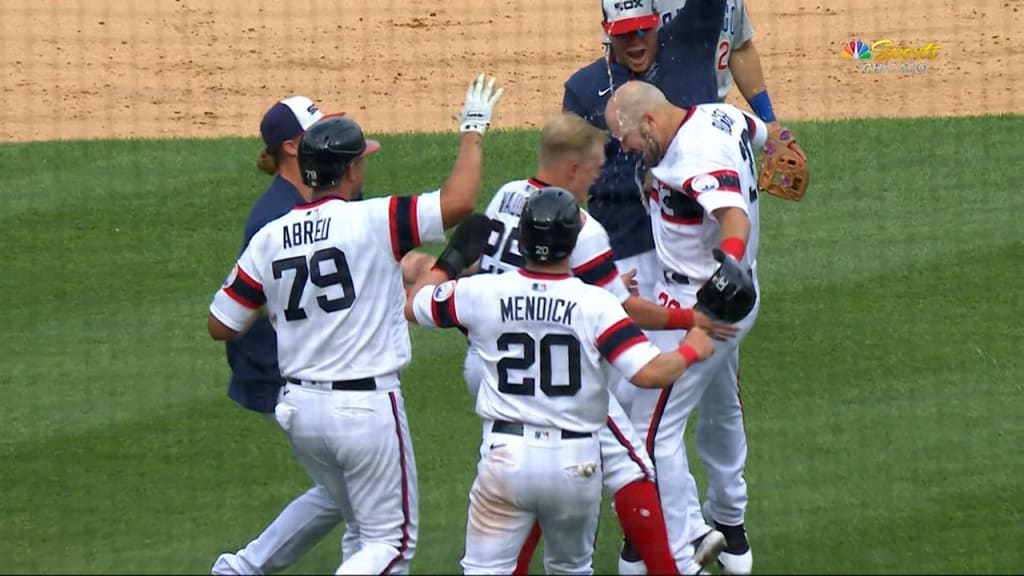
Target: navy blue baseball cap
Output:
[(287, 119)]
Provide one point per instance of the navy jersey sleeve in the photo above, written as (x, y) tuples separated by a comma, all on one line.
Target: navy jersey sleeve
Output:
[(570, 103), (255, 378), (687, 54)]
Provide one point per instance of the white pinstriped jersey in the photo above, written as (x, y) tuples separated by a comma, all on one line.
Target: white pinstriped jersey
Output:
[(591, 259), (736, 31), (708, 165), (543, 339), (329, 274)]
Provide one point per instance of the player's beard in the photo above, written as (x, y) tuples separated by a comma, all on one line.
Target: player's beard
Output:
[(653, 150)]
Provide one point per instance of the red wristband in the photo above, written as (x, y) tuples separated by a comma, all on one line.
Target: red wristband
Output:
[(689, 354), (734, 246), (679, 319), (447, 274)]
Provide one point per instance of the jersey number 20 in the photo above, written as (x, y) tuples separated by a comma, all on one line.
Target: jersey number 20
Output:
[(528, 387), (311, 271)]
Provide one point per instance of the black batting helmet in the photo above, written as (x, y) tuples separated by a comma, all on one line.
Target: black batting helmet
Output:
[(549, 224), (328, 147)]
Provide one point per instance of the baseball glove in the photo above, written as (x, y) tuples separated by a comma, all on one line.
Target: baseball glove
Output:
[(784, 172), (729, 295), (466, 245)]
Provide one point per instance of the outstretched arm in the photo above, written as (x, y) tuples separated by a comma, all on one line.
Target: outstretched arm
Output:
[(460, 190)]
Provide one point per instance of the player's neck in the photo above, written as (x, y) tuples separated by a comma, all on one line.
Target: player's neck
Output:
[(555, 177), (676, 118), (547, 176), (338, 191), (549, 269), (290, 172)]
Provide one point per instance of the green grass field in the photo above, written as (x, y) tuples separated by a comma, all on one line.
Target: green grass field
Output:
[(882, 383)]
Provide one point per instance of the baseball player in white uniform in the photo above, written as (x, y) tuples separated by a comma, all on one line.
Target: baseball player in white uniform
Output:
[(571, 154), (328, 274), (703, 196), (544, 337), (736, 60)]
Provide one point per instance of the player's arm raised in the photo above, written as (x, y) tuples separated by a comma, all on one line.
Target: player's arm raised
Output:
[(461, 189)]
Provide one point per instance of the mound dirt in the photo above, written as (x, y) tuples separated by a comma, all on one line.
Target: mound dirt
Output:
[(197, 69)]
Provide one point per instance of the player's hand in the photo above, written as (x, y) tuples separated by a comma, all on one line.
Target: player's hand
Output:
[(415, 265), (717, 330), (629, 279), (480, 100), (700, 341)]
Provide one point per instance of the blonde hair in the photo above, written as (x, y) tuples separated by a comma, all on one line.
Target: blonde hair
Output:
[(269, 161), (568, 136)]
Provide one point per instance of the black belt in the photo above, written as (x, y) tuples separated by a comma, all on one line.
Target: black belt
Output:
[(683, 279), (675, 277), (516, 429), (360, 385)]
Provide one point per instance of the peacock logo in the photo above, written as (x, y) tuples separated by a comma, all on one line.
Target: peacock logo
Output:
[(856, 50)]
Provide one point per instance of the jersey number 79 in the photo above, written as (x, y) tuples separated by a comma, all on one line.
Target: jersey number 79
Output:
[(312, 272)]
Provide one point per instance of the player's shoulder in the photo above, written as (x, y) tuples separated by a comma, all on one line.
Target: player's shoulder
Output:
[(278, 199), (591, 228), (713, 110), (508, 201), (589, 76), (511, 187), (470, 287), (594, 299)]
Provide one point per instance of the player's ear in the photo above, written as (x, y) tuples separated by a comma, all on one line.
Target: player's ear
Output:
[(354, 172), (648, 122), (571, 168), (291, 147)]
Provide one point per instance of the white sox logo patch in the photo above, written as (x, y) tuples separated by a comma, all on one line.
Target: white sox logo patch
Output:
[(443, 291), (704, 183)]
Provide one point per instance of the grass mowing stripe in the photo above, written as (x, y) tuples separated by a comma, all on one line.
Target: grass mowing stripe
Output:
[(127, 456)]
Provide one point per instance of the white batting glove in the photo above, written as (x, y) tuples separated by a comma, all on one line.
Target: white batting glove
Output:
[(480, 100)]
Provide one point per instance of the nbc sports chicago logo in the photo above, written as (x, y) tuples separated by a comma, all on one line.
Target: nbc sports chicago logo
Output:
[(887, 56)]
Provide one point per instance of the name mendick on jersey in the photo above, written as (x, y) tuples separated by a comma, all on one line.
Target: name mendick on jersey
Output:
[(537, 309), (306, 232)]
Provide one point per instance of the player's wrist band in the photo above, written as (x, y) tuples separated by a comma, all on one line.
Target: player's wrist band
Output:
[(689, 354), (679, 319), (734, 247), (761, 104)]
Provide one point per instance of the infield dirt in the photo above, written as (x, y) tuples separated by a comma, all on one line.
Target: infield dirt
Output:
[(112, 68)]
